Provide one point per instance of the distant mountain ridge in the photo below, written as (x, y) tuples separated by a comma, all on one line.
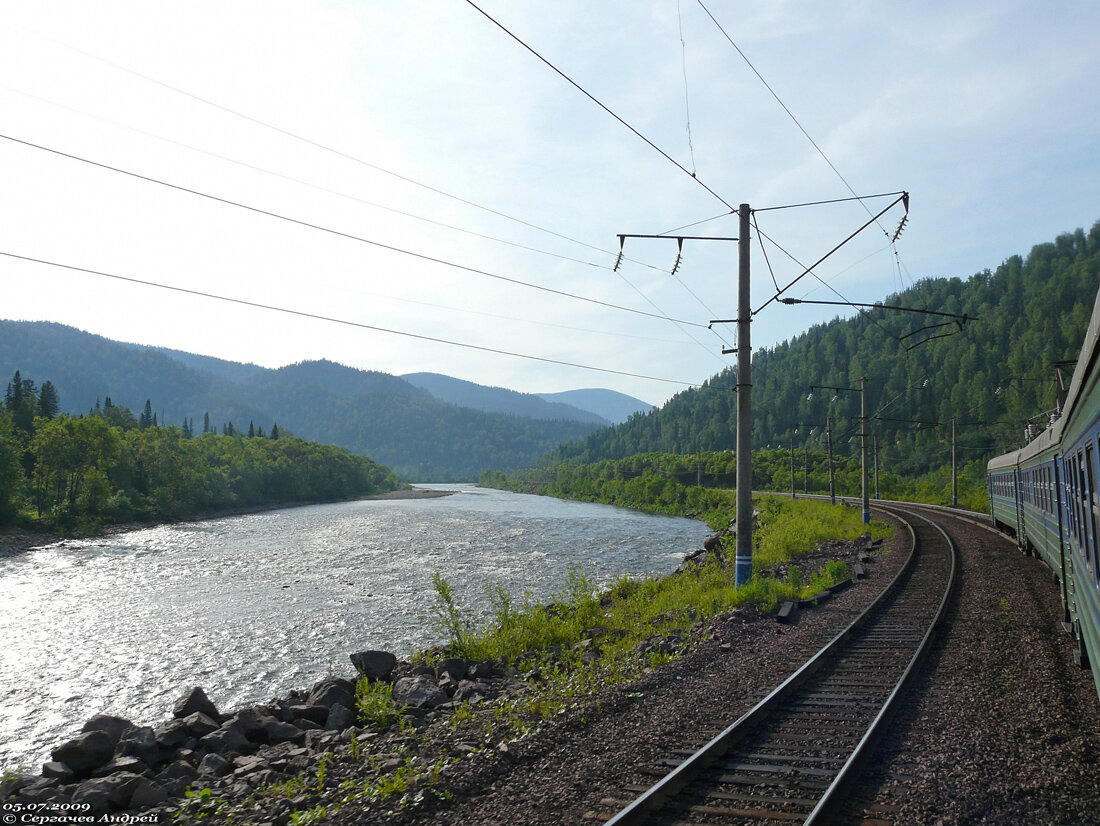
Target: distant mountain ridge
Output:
[(611, 405), (376, 414), (500, 400)]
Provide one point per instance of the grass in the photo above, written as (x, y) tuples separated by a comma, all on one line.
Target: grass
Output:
[(580, 642), (633, 610)]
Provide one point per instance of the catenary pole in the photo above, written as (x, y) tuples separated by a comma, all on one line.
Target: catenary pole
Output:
[(832, 481), (863, 448), (743, 557), (954, 469)]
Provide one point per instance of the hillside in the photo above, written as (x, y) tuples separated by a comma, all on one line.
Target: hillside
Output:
[(613, 406), (499, 400), (993, 374), (371, 413)]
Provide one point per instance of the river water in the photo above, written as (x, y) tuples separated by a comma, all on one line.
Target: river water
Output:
[(251, 607)]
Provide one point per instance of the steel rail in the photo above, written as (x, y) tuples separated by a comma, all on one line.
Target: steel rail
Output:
[(829, 802), (671, 784)]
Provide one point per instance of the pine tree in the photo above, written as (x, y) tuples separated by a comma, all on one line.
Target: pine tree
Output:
[(48, 401), (206, 422), (251, 430), (275, 430), (146, 418)]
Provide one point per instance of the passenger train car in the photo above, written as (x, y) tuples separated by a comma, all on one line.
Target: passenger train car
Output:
[(1046, 495)]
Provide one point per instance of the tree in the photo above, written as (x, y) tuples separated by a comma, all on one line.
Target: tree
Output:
[(48, 401), (251, 430), (275, 431), (146, 418), (206, 422)]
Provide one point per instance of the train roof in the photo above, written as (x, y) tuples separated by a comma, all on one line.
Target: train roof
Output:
[(1052, 436)]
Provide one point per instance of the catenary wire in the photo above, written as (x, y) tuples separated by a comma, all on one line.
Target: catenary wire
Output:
[(592, 98), (788, 111), (340, 233), (333, 320)]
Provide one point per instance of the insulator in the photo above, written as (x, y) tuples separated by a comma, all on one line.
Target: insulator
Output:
[(618, 261), (901, 226), (676, 266)]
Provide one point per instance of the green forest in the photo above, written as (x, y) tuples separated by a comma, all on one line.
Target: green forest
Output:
[(695, 484), (60, 472), (993, 374)]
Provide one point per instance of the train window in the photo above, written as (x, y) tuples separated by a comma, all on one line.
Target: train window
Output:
[(1093, 511)]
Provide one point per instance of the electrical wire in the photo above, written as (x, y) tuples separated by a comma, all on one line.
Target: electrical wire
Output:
[(340, 233), (809, 270), (592, 98), (687, 104), (315, 186), (318, 145), (332, 320)]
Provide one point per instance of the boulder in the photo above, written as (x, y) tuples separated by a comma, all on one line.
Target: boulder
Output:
[(226, 740), (276, 731), (329, 692), (375, 665), (177, 770), (470, 691), (172, 734), (250, 722), (339, 718), (418, 692), (317, 714), (199, 724), (140, 742), (122, 764), (93, 796), (147, 793), (86, 752), (111, 725), (455, 666), (480, 670), (215, 765), (58, 771), (195, 700)]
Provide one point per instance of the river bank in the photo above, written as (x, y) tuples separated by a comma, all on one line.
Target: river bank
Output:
[(16, 540)]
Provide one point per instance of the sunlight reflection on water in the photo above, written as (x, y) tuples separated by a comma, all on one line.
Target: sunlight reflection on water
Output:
[(251, 607)]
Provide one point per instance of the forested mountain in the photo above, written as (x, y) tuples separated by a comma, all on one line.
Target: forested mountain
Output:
[(499, 400), (611, 405), (992, 375), (371, 413)]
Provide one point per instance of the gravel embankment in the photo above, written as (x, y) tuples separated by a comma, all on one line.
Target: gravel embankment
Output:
[(1004, 728), (563, 772)]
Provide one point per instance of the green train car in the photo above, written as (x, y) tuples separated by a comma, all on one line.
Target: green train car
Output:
[(1046, 495)]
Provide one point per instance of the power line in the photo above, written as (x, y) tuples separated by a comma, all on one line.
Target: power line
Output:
[(788, 111), (347, 156), (332, 320), (592, 98), (340, 233), (318, 145), (687, 103)]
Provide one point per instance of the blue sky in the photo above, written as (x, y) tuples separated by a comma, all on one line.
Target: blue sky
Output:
[(985, 112)]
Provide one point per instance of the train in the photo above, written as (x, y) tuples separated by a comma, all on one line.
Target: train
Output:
[(1045, 495)]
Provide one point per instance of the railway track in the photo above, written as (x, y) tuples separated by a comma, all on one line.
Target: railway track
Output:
[(792, 757)]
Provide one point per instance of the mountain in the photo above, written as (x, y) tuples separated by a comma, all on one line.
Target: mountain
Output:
[(608, 404), (992, 375), (367, 412), (500, 400)]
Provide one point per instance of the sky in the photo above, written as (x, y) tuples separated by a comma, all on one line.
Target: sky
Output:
[(406, 177)]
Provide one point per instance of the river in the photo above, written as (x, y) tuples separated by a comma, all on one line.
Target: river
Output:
[(251, 607)]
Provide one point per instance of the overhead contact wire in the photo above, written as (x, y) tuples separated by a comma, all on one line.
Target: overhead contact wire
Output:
[(592, 98)]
